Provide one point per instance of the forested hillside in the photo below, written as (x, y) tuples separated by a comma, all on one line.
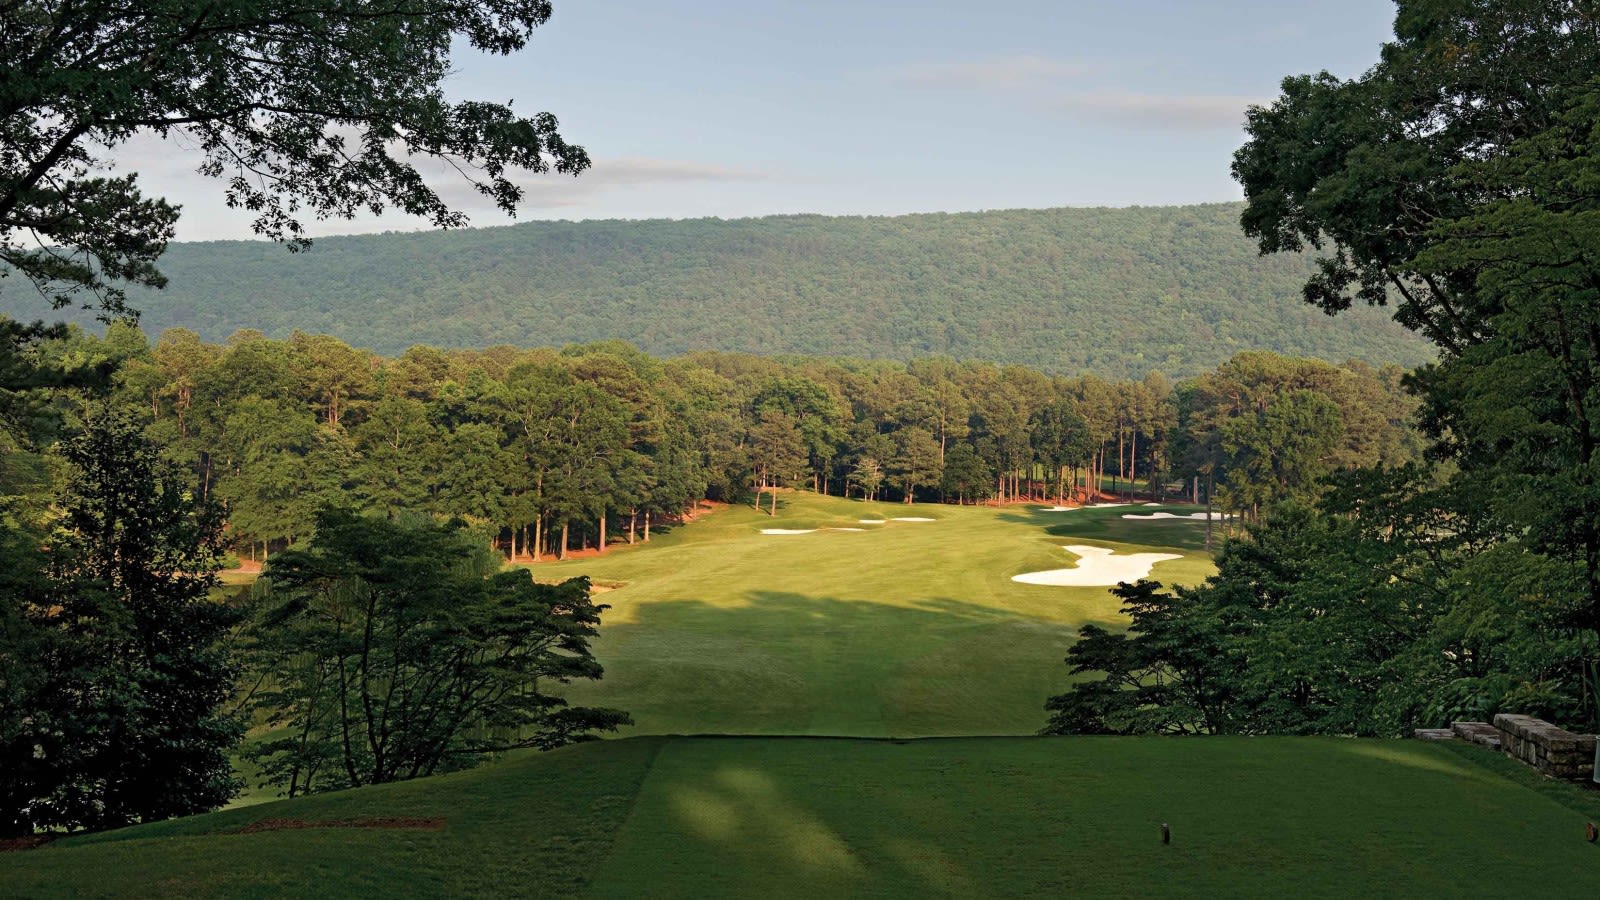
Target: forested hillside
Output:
[(1116, 292)]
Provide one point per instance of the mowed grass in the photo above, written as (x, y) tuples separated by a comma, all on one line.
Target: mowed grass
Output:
[(909, 628), (964, 817), (902, 629)]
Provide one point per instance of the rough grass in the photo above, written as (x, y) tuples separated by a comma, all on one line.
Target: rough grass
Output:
[(966, 817), (904, 629)]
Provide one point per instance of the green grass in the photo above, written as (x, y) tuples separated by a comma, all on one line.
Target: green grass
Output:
[(906, 629), (965, 817)]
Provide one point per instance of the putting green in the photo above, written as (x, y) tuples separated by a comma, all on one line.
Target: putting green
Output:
[(965, 817), (906, 628)]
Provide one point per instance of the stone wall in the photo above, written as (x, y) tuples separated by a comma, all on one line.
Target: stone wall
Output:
[(1554, 751)]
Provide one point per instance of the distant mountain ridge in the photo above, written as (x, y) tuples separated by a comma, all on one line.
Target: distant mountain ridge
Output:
[(1115, 291)]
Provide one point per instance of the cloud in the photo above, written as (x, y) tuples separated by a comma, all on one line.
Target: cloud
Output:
[(549, 191), (167, 168), (151, 156), (1159, 112), (1058, 85), (1005, 74)]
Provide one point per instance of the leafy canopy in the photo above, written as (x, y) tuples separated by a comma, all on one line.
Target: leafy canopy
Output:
[(394, 651), (316, 108)]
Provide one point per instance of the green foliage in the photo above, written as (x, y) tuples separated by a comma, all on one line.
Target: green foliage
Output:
[(314, 108), (545, 450), (113, 673), (1117, 292), (965, 477), (1458, 178), (393, 651), (1389, 606)]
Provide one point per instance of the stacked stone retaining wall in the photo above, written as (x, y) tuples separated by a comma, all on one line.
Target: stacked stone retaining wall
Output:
[(1554, 751)]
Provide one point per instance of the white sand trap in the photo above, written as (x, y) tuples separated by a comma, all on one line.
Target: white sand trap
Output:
[(873, 521), (844, 529), (1098, 567), (914, 519), (1199, 516), (787, 530)]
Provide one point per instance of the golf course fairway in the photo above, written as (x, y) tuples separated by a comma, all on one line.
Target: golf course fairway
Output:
[(904, 629)]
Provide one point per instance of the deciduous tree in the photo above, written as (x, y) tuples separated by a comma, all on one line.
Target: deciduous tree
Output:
[(395, 651), (318, 108)]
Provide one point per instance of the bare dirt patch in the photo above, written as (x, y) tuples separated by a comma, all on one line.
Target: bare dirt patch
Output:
[(434, 823), (13, 845)]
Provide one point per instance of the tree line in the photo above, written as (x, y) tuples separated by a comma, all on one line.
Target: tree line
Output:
[(550, 451)]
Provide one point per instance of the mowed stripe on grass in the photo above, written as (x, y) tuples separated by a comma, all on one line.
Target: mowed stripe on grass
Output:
[(965, 817), (981, 817), (906, 629)]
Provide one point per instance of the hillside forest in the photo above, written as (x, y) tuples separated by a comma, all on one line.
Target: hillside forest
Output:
[(1117, 292)]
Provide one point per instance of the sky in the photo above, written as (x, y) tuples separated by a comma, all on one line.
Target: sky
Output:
[(872, 107)]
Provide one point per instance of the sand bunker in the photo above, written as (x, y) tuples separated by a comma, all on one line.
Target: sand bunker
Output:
[(1098, 567), (873, 521), (805, 530), (1199, 516), (914, 519)]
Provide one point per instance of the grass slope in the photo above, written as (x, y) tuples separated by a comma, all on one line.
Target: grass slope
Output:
[(904, 629), (967, 817)]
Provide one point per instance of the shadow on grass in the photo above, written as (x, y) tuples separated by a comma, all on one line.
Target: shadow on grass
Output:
[(789, 663), (1079, 816), (1109, 525)]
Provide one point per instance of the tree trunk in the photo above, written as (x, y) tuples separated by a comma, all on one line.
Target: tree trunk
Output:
[(601, 546), (566, 528), (774, 493), (1133, 460), (538, 536), (633, 523), (1209, 484), (647, 526)]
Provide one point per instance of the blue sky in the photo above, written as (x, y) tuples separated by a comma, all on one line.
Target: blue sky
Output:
[(751, 108)]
